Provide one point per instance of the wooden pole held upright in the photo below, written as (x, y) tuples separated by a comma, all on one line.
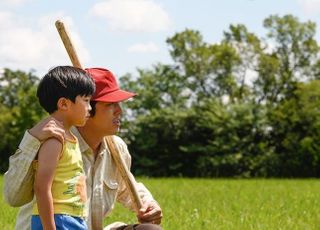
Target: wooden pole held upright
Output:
[(119, 162), (68, 44)]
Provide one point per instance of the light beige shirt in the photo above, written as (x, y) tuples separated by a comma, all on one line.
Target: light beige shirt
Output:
[(104, 183)]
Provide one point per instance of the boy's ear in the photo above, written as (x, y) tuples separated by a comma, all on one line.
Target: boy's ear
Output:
[(63, 103)]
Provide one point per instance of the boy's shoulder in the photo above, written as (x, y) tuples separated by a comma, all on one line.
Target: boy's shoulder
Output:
[(52, 142)]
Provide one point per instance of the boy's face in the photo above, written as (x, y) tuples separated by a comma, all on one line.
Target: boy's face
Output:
[(106, 120), (79, 110)]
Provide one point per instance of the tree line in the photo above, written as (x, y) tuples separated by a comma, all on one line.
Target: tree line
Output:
[(247, 106)]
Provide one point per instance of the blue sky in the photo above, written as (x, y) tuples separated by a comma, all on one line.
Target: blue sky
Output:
[(122, 35)]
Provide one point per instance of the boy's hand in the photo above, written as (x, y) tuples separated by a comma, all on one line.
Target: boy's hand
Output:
[(48, 128)]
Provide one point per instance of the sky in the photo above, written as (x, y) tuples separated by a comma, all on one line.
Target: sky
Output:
[(123, 35)]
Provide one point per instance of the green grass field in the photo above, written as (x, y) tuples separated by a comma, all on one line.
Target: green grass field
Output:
[(222, 204)]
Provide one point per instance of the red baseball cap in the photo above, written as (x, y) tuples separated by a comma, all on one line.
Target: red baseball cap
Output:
[(107, 89)]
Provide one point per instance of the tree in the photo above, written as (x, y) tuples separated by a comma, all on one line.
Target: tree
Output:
[(207, 68), (241, 107), (19, 109), (158, 88), (248, 47), (293, 52), (296, 132)]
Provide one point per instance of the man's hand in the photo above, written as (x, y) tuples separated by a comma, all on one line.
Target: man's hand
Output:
[(47, 128), (150, 213)]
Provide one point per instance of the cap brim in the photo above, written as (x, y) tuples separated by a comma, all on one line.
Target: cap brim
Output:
[(116, 96)]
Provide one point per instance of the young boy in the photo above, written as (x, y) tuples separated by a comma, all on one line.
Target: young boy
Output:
[(60, 186)]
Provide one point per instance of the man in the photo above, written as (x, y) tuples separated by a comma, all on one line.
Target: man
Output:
[(104, 183)]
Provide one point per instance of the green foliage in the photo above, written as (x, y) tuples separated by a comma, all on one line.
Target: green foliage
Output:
[(158, 88), (246, 106), (208, 68), (210, 139), (294, 53), (296, 135), (19, 110)]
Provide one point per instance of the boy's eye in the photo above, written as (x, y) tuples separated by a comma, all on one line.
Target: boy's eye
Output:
[(87, 99)]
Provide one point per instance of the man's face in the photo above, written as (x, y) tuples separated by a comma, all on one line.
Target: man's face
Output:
[(107, 118)]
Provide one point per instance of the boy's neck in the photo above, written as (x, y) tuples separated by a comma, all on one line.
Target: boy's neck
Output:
[(60, 117)]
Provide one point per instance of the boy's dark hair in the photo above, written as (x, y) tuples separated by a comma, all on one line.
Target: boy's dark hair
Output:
[(63, 81)]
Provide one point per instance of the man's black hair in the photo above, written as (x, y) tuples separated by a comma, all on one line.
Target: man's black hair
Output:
[(63, 81), (93, 108)]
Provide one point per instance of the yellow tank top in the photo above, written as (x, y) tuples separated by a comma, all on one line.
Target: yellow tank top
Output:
[(69, 183)]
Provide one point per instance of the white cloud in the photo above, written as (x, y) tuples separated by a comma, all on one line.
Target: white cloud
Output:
[(132, 15), (26, 46), (310, 6), (149, 47), (15, 2)]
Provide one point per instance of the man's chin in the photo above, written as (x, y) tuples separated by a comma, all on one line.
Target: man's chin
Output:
[(81, 124), (113, 132)]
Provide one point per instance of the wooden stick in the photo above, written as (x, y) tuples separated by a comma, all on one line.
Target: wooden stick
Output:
[(68, 44), (119, 162), (125, 173)]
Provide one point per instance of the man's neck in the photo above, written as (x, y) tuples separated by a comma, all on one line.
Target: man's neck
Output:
[(93, 139)]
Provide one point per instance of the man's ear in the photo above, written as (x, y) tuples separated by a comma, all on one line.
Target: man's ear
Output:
[(63, 104)]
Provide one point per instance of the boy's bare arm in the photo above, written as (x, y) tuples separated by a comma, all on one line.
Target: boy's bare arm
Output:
[(47, 162)]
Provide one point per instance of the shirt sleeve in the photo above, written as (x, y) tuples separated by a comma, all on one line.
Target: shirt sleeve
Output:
[(123, 195), (23, 220), (18, 180)]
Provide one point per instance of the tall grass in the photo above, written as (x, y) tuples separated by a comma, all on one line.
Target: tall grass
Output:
[(7, 214), (223, 204)]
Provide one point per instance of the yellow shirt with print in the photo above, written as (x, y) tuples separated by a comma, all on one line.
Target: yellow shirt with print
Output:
[(69, 183)]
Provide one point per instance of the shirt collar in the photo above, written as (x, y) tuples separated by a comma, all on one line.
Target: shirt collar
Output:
[(82, 144)]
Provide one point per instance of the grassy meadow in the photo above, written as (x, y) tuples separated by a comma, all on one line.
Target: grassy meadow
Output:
[(222, 204)]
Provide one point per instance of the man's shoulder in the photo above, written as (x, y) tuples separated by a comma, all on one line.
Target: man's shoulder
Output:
[(119, 141), (121, 146)]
